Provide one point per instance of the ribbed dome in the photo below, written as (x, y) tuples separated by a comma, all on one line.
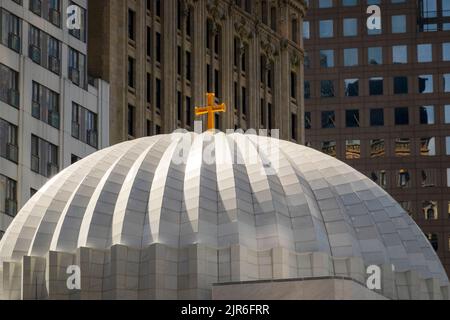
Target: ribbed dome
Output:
[(138, 193)]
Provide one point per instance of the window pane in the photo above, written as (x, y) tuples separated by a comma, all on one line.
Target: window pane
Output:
[(447, 114), (375, 55), (325, 3), (400, 85), (326, 28), (376, 86), (448, 178), (352, 118), (429, 8), (306, 31), (326, 88), (425, 83), (447, 146), (401, 116), (377, 117), (377, 148), (446, 82), (398, 24), (328, 119), (351, 87), (329, 148), (403, 178), (427, 115), (350, 27), (327, 58), (446, 8), (428, 146), (446, 51), (347, 3), (379, 177), (424, 53), (430, 210), (399, 54), (351, 57), (353, 149)]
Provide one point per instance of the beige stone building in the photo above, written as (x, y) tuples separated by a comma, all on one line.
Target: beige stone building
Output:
[(161, 57)]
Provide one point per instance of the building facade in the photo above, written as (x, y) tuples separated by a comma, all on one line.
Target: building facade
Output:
[(380, 100), (161, 57), (50, 116)]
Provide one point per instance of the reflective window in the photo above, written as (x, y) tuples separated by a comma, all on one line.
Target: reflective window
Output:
[(377, 148), (369, 2), (379, 177), (446, 51), (375, 55), (447, 114), (447, 146), (407, 206), (372, 32), (327, 58), (445, 8), (347, 3), (352, 149), (428, 146), (448, 178), (351, 87), (8, 196), (446, 78), (326, 88), (350, 27), (376, 86), (351, 57), (398, 24), (425, 83), (399, 54), (402, 147), (401, 116), (430, 210), (424, 53), (325, 3), (428, 178), (307, 120), (328, 119), (306, 31), (429, 8), (400, 85), (377, 117), (427, 115), (329, 148), (352, 118), (326, 28), (403, 178)]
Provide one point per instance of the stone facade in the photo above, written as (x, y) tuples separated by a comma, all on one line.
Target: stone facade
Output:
[(228, 47)]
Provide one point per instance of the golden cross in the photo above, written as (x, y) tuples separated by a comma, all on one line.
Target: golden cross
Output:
[(210, 110)]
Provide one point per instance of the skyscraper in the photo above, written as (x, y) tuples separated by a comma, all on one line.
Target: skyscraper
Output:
[(161, 57), (50, 114), (380, 100)]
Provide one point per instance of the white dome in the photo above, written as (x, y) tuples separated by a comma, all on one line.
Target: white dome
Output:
[(134, 194)]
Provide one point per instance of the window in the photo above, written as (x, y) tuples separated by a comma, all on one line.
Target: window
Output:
[(149, 88), (351, 87), (379, 177), (149, 42), (446, 51), (326, 88), (8, 196), (447, 146), (189, 111), (45, 105), (375, 55), (448, 178), (44, 157), (131, 72), (244, 100), (428, 8), (84, 125), (375, 86), (328, 119), (306, 30), (403, 178), (73, 159), (77, 68), (401, 116), (130, 120), (325, 3), (352, 118), (158, 94), (447, 114), (352, 149), (44, 50), (424, 53), (425, 83), (10, 30), (351, 57), (293, 126), (428, 178), (399, 54), (329, 148), (188, 64), (273, 18), (377, 148), (350, 27), (307, 89), (8, 141), (402, 147), (294, 27), (327, 58), (9, 86), (400, 85), (446, 78), (50, 10), (433, 238), (307, 120), (293, 85), (376, 117), (430, 210), (80, 33), (158, 47), (326, 28), (398, 24), (427, 115), (428, 146)]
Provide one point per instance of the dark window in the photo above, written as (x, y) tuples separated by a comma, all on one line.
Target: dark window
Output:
[(188, 66), (217, 83), (149, 88), (400, 85), (131, 116), (149, 42), (293, 85), (244, 100), (158, 47), (401, 116), (307, 120), (44, 157), (328, 119), (307, 89), (149, 128), (157, 129), (10, 30), (179, 60), (375, 86), (293, 126), (158, 94), (131, 24), (377, 117), (74, 159), (352, 118), (45, 105), (131, 72), (351, 87), (77, 68), (188, 111), (8, 197), (179, 106), (273, 18), (158, 8), (9, 89), (9, 148), (326, 88), (84, 125)]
